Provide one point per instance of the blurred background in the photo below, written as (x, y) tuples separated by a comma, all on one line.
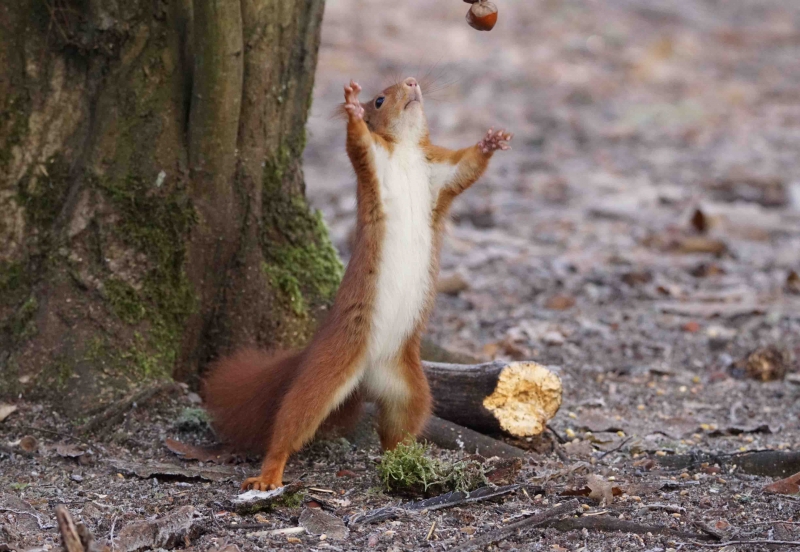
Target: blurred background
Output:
[(643, 233)]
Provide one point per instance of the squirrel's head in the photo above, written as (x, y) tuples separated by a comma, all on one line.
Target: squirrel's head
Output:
[(396, 113)]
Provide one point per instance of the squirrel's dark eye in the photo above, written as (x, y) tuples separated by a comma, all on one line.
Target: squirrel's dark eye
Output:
[(379, 102)]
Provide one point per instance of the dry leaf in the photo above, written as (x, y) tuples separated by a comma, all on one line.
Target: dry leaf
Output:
[(579, 447), (164, 470), (701, 244), (602, 491), (691, 327), (452, 284), (68, 451), (637, 277), (6, 410), (502, 471), (28, 443), (793, 282), (699, 221), (788, 486), (219, 454), (319, 522), (176, 527), (560, 302)]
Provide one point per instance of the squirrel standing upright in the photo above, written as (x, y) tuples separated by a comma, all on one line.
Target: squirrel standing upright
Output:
[(368, 347)]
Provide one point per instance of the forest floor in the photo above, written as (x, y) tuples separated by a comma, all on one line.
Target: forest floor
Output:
[(643, 236)]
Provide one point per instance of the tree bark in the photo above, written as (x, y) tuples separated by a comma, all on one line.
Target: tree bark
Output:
[(152, 208)]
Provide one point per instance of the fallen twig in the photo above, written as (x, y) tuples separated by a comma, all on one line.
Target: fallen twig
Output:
[(612, 524), (772, 463), (535, 520), (615, 449), (447, 500), (53, 432), (457, 498), (36, 516), (740, 542), (275, 532), (672, 508), (115, 411)]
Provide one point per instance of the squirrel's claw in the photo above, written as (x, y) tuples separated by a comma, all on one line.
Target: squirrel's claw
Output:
[(259, 484), (495, 140)]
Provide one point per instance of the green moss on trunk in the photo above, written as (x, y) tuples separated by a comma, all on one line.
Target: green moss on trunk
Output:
[(299, 258)]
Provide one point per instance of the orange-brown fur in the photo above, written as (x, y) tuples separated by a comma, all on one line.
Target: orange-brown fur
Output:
[(277, 402)]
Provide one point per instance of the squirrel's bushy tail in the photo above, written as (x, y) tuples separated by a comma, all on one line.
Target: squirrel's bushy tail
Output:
[(243, 393)]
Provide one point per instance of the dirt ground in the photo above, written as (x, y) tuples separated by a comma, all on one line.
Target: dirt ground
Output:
[(643, 236)]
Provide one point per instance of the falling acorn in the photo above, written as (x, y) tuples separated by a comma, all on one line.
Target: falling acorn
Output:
[(482, 14)]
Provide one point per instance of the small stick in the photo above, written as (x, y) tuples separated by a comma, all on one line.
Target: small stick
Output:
[(611, 524), (772, 522), (69, 533), (117, 409), (39, 521), (52, 432), (615, 449), (535, 520), (284, 531), (430, 531), (672, 508), (559, 438), (111, 534), (738, 542)]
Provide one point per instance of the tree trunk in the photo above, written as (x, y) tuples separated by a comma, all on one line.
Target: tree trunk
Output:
[(152, 208)]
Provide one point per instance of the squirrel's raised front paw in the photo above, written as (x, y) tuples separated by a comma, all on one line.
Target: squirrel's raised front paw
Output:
[(260, 483), (351, 103), (495, 140)]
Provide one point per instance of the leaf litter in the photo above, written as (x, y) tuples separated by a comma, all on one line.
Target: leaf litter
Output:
[(583, 249)]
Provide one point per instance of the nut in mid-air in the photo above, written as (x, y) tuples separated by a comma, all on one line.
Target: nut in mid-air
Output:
[(482, 15)]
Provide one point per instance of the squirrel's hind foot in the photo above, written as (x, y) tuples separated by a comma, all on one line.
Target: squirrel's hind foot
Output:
[(261, 483)]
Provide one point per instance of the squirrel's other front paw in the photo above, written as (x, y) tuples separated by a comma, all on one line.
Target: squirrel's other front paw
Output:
[(495, 140), (351, 103)]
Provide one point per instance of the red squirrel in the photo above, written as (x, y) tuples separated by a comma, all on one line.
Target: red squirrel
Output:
[(368, 347)]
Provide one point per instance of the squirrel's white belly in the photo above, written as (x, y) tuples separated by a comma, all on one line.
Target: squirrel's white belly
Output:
[(404, 277)]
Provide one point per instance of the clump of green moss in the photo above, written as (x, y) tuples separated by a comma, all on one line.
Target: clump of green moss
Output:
[(12, 276), (409, 469), (22, 324), (193, 419), (309, 267), (124, 301), (13, 125), (291, 500)]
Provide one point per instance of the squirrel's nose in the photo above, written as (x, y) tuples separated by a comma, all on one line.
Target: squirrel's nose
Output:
[(410, 81)]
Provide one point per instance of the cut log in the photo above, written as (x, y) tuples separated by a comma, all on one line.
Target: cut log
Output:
[(448, 435), (517, 398)]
